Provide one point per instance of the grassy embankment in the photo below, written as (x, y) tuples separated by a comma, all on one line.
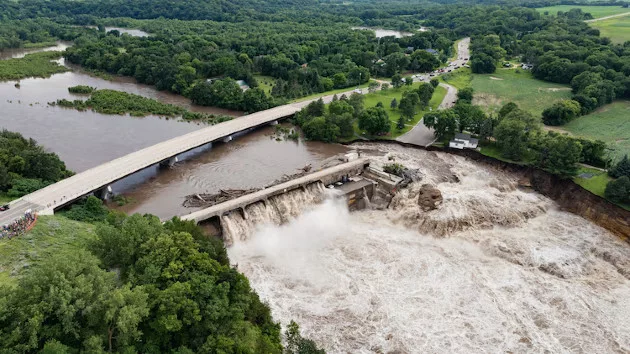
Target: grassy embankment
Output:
[(596, 11), (386, 97), (492, 91), (32, 65), (51, 234), (617, 29)]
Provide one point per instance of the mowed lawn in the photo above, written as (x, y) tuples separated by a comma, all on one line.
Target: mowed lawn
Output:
[(265, 82), (596, 11), (610, 123), (617, 29), (386, 97), (492, 91)]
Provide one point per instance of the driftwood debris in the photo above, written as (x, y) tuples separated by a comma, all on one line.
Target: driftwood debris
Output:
[(207, 200)]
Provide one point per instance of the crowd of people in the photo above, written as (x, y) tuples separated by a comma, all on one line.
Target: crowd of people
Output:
[(19, 226)]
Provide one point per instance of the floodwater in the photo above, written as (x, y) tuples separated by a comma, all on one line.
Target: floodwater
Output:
[(380, 32), (21, 52), (494, 269), (87, 139), (130, 31), (251, 160)]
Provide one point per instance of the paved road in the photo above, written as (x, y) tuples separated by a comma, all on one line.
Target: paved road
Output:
[(420, 134), (45, 200), (608, 17)]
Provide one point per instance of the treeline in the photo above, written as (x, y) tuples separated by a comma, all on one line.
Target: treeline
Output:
[(140, 286), (303, 58), (119, 102), (25, 166), (34, 33), (518, 135)]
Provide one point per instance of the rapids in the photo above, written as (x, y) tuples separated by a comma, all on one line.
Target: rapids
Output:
[(493, 269)]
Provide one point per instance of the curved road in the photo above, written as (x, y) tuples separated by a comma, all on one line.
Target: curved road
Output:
[(607, 17), (420, 134)]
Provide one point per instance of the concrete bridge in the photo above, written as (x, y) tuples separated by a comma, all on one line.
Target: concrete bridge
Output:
[(98, 179), (326, 176)]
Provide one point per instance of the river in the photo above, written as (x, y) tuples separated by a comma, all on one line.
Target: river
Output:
[(86, 139), (495, 269), (381, 32)]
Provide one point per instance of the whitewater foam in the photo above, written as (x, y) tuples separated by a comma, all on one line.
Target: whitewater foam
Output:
[(527, 279)]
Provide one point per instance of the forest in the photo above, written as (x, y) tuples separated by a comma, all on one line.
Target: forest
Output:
[(25, 166)]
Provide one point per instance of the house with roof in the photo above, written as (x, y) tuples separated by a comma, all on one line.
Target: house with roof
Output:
[(463, 141)]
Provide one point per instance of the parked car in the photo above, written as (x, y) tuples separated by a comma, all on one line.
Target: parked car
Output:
[(4, 207)]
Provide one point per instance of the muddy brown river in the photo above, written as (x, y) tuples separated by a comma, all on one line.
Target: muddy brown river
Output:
[(87, 139)]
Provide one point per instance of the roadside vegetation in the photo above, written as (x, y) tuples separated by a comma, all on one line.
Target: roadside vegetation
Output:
[(32, 65), (25, 166), (380, 114)]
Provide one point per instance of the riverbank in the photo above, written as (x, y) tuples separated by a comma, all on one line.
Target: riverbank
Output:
[(566, 193)]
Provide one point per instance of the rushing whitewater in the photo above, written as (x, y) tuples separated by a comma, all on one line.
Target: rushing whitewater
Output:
[(493, 269)]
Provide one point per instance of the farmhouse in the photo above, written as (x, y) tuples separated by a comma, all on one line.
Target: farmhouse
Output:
[(462, 141)]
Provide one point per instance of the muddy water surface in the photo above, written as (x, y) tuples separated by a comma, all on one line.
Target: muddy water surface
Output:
[(250, 161)]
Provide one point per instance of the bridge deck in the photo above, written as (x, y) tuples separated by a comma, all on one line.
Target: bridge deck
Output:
[(326, 176), (47, 199)]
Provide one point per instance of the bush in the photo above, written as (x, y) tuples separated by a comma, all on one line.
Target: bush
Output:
[(23, 186), (89, 210), (394, 169), (618, 190), (84, 89), (622, 168), (561, 112)]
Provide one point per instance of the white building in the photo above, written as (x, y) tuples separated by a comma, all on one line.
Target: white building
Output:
[(463, 141)]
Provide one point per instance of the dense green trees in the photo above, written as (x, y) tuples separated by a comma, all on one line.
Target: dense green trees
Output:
[(561, 112), (25, 166), (375, 121), (618, 190), (144, 287)]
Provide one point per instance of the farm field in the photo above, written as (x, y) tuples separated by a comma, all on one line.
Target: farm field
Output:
[(617, 29), (610, 123), (596, 11), (492, 91)]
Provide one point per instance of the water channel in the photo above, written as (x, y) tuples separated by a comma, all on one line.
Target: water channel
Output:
[(87, 139)]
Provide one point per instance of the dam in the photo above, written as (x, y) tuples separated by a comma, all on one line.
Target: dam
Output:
[(353, 180)]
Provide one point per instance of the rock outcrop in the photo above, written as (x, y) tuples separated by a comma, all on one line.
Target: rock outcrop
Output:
[(429, 198)]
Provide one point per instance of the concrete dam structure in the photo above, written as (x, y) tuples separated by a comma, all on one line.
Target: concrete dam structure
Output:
[(278, 204)]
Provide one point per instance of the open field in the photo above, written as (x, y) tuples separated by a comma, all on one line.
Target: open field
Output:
[(596, 183), (596, 11), (494, 90), (617, 29), (386, 98), (265, 82), (459, 78), (51, 234), (609, 123)]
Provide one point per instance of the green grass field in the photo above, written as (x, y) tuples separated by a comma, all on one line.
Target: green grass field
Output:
[(492, 91), (596, 184), (459, 78), (596, 11), (265, 82), (386, 98), (617, 29), (610, 123), (51, 234)]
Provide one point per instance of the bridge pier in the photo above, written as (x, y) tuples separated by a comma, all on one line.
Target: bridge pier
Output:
[(104, 193), (244, 213), (227, 139), (169, 162), (275, 122)]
